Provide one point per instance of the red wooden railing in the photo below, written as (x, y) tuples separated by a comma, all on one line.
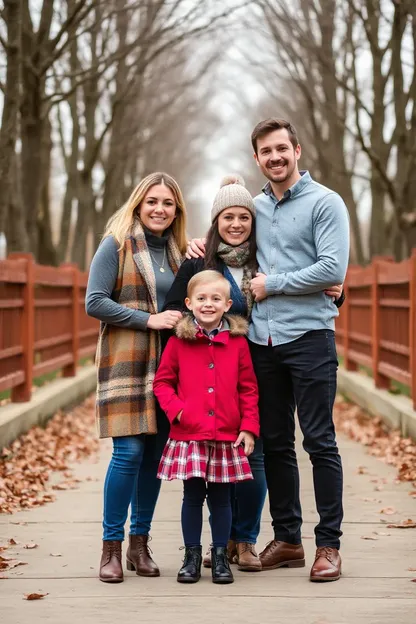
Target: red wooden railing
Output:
[(376, 327), (43, 324)]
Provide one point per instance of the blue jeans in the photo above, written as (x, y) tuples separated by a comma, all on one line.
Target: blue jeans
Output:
[(247, 500), (131, 479)]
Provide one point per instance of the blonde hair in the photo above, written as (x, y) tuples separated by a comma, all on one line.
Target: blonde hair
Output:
[(121, 222), (208, 277)]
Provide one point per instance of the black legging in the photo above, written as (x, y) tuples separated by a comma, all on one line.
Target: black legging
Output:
[(194, 493)]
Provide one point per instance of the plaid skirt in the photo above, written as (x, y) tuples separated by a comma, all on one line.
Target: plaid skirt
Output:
[(217, 462)]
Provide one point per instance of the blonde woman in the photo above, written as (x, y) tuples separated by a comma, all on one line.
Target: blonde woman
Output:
[(130, 275)]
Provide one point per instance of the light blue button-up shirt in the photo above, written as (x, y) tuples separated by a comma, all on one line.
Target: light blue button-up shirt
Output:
[(302, 247)]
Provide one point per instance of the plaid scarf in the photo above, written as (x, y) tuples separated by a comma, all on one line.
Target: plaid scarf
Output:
[(127, 358), (237, 257)]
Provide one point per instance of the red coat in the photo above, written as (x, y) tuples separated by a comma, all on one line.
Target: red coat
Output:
[(211, 380)]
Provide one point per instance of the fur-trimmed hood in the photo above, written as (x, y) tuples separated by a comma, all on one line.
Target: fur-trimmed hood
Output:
[(186, 329)]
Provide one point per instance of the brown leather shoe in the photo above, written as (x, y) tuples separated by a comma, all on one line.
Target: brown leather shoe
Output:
[(281, 554), (231, 554), (111, 570), (247, 558), (327, 566), (138, 556)]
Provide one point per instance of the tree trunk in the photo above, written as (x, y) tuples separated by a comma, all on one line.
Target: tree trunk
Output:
[(8, 132)]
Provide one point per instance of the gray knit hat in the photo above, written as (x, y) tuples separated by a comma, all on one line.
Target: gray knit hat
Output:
[(232, 192)]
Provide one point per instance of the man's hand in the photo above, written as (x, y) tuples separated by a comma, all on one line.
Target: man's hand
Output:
[(334, 291), (247, 439), (258, 287), (196, 248)]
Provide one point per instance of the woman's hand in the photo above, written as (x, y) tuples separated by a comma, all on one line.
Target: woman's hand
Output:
[(179, 416), (247, 439), (334, 291), (164, 320), (196, 248)]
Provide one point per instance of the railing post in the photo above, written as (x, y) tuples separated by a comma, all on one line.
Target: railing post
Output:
[(412, 326), (27, 329), (349, 365), (380, 380), (70, 370)]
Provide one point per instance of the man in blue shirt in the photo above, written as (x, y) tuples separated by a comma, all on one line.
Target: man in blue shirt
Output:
[(303, 244)]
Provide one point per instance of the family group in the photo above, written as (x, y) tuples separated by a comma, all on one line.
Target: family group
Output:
[(206, 350)]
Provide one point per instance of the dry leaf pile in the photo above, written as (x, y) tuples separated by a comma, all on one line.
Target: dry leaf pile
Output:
[(388, 446), (26, 466)]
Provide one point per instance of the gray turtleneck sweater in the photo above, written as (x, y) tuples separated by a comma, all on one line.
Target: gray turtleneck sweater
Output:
[(99, 301)]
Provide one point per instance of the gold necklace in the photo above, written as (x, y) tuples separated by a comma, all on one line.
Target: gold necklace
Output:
[(161, 266)]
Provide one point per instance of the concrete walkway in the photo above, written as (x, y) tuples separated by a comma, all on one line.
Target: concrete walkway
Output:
[(376, 586)]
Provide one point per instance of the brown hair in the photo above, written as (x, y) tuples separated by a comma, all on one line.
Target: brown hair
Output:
[(270, 125), (211, 259), (208, 277)]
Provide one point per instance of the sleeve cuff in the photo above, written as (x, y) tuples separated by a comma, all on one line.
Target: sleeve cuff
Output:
[(272, 285)]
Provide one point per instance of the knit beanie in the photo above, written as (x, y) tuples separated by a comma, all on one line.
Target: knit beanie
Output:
[(232, 192)]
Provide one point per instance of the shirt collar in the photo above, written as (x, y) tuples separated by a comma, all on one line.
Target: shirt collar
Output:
[(223, 326), (293, 190)]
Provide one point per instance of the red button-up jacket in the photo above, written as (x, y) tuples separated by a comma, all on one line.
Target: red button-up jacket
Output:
[(211, 380)]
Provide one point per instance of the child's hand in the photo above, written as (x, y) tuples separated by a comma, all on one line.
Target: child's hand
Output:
[(179, 416), (247, 439)]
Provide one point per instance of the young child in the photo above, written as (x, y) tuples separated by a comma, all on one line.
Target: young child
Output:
[(206, 385)]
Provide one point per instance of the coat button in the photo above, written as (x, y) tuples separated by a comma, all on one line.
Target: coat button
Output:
[(211, 365), (210, 390), (210, 344), (211, 413)]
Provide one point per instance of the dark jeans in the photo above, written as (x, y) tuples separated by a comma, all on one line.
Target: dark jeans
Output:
[(300, 374), (194, 493)]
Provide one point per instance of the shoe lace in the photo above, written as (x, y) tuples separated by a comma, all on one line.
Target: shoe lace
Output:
[(271, 545), (144, 546), (246, 547), (325, 551), (114, 549)]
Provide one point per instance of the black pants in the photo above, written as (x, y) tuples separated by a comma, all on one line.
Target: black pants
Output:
[(300, 374), (195, 491)]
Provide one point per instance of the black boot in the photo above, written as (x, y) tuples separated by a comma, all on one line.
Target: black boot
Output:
[(221, 572), (190, 571)]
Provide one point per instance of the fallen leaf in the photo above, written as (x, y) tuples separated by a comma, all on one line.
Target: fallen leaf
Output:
[(362, 470), (2, 576), (368, 537), (388, 511), (31, 546), (15, 564), (27, 465), (55, 555), (414, 580), (13, 542), (35, 596), (388, 446), (406, 524), (412, 569), (413, 493), (381, 533)]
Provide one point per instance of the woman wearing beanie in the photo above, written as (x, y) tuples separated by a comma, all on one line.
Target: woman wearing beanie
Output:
[(231, 249)]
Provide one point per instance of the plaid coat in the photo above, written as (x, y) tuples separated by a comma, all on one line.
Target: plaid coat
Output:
[(127, 358)]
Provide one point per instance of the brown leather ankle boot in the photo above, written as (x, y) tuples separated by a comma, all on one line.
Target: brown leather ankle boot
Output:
[(138, 556), (111, 570)]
